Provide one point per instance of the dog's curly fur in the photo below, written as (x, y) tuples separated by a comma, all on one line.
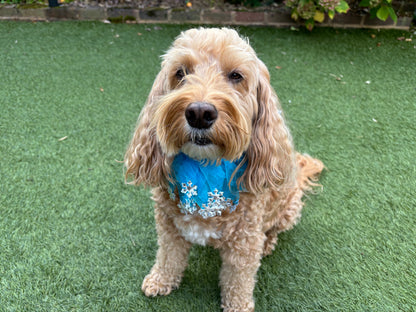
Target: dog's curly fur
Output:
[(217, 66)]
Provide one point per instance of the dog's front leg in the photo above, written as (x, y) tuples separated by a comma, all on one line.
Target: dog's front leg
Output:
[(171, 259), (238, 273)]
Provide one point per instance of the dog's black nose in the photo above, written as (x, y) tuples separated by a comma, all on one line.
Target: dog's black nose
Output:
[(201, 115)]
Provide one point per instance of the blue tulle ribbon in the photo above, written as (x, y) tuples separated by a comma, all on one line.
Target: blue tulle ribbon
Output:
[(204, 187)]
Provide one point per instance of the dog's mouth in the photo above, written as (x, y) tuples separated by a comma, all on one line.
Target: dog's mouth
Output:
[(199, 138), (200, 147), (201, 141)]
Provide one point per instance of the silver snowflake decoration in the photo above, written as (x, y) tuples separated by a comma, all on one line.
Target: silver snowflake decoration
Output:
[(189, 189), (216, 197), (216, 204), (188, 207)]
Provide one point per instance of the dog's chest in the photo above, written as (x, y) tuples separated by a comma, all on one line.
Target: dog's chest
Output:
[(196, 232)]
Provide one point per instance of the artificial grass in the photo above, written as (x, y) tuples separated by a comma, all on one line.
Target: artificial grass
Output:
[(74, 237)]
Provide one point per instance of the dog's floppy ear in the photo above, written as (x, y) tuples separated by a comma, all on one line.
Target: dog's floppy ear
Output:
[(144, 159), (271, 161)]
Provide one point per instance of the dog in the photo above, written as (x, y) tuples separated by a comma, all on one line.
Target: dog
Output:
[(213, 144)]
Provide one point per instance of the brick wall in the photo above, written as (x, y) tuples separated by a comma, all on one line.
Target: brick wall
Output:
[(268, 17)]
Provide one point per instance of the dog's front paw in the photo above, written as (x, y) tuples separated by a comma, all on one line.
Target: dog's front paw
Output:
[(156, 284)]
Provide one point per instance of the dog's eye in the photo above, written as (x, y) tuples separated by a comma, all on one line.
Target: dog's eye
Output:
[(235, 77), (180, 74)]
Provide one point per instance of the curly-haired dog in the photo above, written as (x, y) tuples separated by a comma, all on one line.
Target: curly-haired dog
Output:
[(212, 143)]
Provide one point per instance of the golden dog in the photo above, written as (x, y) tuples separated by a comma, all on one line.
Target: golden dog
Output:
[(213, 103)]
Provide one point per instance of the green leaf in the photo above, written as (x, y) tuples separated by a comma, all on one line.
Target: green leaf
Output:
[(383, 13), (310, 23), (365, 3), (295, 14), (319, 16), (392, 14), (342, 7), (331, 14)]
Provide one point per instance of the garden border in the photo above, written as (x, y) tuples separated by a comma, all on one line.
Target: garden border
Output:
[(258, 17)]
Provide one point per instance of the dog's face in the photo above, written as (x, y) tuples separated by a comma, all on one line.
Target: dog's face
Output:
[(209, 101), (212, 99)]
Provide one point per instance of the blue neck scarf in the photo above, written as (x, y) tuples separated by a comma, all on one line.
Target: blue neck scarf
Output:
[(205, 188)]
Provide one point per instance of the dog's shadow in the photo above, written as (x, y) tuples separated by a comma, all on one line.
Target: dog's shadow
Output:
[(200, 280)]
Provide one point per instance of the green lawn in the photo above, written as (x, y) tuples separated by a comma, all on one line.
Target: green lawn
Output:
[(74, 237)]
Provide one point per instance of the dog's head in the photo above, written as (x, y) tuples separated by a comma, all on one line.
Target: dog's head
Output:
[(212, 99)]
